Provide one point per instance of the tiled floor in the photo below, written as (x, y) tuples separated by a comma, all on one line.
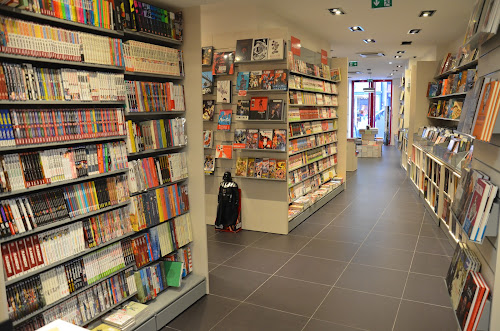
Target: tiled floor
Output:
[(371, 259)]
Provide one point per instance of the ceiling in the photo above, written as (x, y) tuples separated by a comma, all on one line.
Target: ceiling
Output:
[(388, 26)]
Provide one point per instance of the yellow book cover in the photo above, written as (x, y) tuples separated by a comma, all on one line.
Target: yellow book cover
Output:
[(163, 134), (131, 137), (160, 208), (105, 327)]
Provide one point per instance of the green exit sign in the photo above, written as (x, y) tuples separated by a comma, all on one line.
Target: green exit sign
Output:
[(381, 3), (370, 80), (353, 63)]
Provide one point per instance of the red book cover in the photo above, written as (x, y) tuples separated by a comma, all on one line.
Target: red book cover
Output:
[(38, 251), (258, 108), (473, 311), (16, 261), (7, 261), (30, 252), (22, 255)]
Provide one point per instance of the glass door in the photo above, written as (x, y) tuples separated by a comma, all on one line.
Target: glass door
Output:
[(371, 108)]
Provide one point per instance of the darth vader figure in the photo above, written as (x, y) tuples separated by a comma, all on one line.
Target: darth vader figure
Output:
[(228, 209)]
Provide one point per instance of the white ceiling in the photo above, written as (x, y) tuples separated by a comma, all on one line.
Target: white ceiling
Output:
[(388, 26)]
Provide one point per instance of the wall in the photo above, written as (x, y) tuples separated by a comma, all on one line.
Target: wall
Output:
[(396, 104)]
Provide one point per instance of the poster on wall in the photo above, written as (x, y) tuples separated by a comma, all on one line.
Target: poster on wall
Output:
[(324, 57), (295, 45)]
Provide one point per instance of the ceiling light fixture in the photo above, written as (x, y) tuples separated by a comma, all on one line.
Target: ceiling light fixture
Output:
[(336, 11), (399, 66), (397, 56), (356, 28), (400, 52), (414, 31), (359, 72), (406, 43), (369, 41), (390, 62), (427, 13)]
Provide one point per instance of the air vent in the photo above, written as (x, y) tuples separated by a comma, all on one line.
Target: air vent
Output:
[(371, 54), (406, 43), (354, 72)]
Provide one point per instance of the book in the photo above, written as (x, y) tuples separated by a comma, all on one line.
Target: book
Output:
[(254, 80), (150, 281), (279, 139), (207, 82), (276, 49), (223, 63), (119, 319), (224, 91), (259, 164), (280, 171), (335, 75), (208, 110), (105, 327), (224, 122), (240, 139), (208, 141), (275, 110), (487, 112), (266, 79), (258, 108), (241, 167), (224, 151), (242, 110), (251, 167), (480, 228), (252, 141), (160, 59), (280, 81), (265, 139), (259, 49), (155, 134), (243, 50), (242, 81), (265, 168), (209, 164), (454, 110), (206, 55), (476, 207), (173, 271), (467, 300)]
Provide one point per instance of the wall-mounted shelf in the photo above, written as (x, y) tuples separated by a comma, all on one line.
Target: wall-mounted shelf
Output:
[(311, 91), (43, 60), (136, 75), (150, 38), (469, 65), (18, 148), (312, 76), (449, 96)]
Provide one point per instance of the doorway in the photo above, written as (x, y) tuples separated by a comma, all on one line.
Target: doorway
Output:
[(371, 108)]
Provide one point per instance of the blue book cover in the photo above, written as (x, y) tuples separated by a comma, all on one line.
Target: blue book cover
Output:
[(242, 81), (225, 120)]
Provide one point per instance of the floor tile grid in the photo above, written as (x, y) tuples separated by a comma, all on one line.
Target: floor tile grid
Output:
[(351, 260), (409, 270), (219, 264), (274, 274)]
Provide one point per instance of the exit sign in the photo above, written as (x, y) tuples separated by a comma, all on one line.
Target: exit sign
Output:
[(370, 80), (353, 63), (381, 3)]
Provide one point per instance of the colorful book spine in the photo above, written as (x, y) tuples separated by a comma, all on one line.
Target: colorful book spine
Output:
[(144, 57), (150, 135), (154, 97)]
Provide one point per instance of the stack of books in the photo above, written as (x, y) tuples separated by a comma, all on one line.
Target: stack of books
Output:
[(120, 320)]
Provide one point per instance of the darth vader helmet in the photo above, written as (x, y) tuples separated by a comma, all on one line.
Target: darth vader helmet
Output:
[(227, 177)]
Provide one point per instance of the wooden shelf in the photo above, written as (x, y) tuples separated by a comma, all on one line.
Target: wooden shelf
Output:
[(44, 61)]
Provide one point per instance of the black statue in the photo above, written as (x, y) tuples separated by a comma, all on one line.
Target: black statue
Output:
[(227, 210)]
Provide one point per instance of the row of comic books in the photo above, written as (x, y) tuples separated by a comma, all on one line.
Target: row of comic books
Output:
[(307, 98), (38, 40), (460, 82), (24, 170), (301, 174), (154, 207), (262, 80), (155, 134), (23, 214), (302, 203), (297, 145), (144, 97), (305, 158), (260, 139), (298, 114), (300, 66), (261, 168), (306, 128), (150, 58), (311, 84), (104, 227), (451, 109), (21, 82), (155, 171)]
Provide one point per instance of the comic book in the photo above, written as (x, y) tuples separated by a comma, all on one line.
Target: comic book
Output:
[(241, 167), (208, 110), (240, 138), (223, 63), (242, 110), (265, 139), (242, 81), (252, 141)]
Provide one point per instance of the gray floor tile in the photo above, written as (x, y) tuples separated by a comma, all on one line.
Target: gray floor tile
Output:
[(356, 309), (244, 237), (341, 233), (321, 218), (436, 265), (317, 325), (392, 240), (399, 215), (414, 316), (204, 314), (313, 269), (327, 249), (261, 260), (249, 317), (306, 229), (373, 280), (282, 294), (210, 231), (235, 283), (448, 247), (212, 266), (428, 289), (281, 243), (397, 226), (219, 252), (432, 230), (384, 257), (432, 246), (365, 222)]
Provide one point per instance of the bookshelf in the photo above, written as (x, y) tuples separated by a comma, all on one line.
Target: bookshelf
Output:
[(256, 207), (168, 304)]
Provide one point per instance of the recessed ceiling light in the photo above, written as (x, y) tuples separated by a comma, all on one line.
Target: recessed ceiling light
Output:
[(392, 74), (399, 66), (427, 13), (390, 62), (336, 11), (356, 28), (369, 41), (397, 56), (359, 72), (400, 52), (406, 43), (414, 31)]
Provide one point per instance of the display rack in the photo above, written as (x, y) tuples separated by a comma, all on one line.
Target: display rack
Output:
[(171, 302)]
